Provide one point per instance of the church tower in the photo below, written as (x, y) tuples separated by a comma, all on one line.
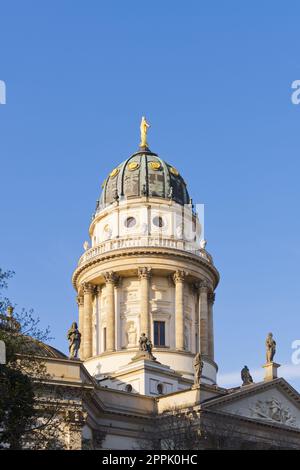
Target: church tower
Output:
[(146, 270)]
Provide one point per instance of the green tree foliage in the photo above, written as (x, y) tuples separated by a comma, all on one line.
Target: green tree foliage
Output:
[(25, 421)]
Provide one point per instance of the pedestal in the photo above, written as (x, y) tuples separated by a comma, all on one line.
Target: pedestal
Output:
[(196, 387), (144, 355), (270, 371)]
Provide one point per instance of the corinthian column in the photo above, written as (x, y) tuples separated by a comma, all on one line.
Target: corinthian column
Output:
[(179, 277), (80, 303), (144, 276), (203, 304), (110, 279), (88, 290), (211, 299)]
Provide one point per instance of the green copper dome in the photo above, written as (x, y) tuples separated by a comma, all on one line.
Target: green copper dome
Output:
[(143, 174)]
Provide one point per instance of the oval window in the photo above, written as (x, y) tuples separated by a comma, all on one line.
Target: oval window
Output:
[(130, 222), (158, 221)]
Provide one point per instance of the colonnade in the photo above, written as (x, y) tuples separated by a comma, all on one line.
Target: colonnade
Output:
[(204, 316)]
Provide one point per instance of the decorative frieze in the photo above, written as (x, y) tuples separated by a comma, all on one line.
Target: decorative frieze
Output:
[(273, 410)]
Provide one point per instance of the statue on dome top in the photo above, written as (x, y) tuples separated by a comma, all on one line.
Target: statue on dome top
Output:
[(144, 129)]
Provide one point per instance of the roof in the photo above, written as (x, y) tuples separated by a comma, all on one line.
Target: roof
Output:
[(143, 174)]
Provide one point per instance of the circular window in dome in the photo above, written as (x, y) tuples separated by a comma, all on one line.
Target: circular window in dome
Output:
[(158, 221), (114, 172), (130, 222), (128, 388), (155, 166), (133, 166)]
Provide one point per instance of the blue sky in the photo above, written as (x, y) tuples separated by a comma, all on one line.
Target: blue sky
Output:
[(214, 80)]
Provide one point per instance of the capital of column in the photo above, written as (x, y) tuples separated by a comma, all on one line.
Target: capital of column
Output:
[(111, 277), (79, 300), (205, 286), (211, 297), (144, 272), (179, 276), (98, 289), (88, 288)]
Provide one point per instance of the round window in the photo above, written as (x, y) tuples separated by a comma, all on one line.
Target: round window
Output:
[(158, 221), (130, 222), (128, 388)]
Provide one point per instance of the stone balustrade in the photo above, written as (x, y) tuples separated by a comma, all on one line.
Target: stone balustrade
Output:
[(147, 241)]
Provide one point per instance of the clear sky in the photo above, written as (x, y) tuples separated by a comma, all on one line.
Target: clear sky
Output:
[(214, 80)]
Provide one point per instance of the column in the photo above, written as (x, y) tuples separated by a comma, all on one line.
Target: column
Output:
[(79, 300), (110, 279), (211, 299), (88, 290), (144, 276), (179, 277), (118, 325), (203, 304), (97, 323)]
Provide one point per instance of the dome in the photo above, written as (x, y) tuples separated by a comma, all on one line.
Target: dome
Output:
[(9, 326), (143, 174), (38, 348)]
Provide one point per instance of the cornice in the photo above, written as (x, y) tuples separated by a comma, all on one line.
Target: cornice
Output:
[(252, 390), (148, 251), (280, 427)]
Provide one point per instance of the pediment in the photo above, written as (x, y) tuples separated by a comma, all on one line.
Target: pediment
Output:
[(274, 403)]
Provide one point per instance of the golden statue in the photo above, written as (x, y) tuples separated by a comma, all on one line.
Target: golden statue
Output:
[(144, 129)]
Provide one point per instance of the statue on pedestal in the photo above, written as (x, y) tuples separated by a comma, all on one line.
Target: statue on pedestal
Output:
[(246, 376), (198, 367), (270, 348), (74, 338), (143, 342), (145, 348)]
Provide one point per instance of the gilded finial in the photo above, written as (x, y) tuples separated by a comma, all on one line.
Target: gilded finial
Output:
[(144, 129)]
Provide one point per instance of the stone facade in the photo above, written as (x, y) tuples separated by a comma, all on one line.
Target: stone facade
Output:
[(148, 271), (264, 415)]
